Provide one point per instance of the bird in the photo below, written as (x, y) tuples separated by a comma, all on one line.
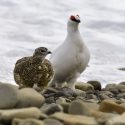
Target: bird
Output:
[(70, 58), (34, 70)]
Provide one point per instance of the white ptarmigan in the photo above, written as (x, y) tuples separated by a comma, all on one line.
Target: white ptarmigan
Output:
[(71, 58)]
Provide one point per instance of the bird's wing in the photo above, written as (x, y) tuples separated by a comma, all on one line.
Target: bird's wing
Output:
[(22, 60)]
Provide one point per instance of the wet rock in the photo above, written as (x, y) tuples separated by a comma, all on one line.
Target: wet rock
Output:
[(74, 119), (28, 121), (9, 115), (52, 122), (96, 85), (111, 106), (51, 108), (28, 97), (117, 120), (9, 96), (84, 86), (80, 107)]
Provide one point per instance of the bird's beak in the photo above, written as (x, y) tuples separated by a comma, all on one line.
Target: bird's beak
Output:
[(78, 21), (49, 52)]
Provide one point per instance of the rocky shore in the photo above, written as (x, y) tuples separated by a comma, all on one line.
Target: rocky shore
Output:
[(89, 104)]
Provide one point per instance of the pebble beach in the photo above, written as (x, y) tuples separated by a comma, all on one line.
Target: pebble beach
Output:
[(89, 104), (99, 94)]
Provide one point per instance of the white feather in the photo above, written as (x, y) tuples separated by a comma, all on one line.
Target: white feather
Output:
[(71, 58)]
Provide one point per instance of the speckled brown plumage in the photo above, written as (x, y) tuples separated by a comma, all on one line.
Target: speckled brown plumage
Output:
[(34, 69)]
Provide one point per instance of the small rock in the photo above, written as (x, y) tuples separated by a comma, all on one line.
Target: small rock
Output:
[(122, 83), (83, 86), (8, 115), (122, 100), (91, 96), (96, 85), (102, 117), (52, 122), (123, 68), (121, 95), (62, 101), (82, 108), (112, 88), (28, 97), (28, 121), (50, 100), (80, 93), (117, 120), (74, 119), (111, 106), (121, 88), (51, 108), (105, 95), (65, 92), (9, 96)]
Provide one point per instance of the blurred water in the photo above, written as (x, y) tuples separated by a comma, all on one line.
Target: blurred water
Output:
[(27, 24)]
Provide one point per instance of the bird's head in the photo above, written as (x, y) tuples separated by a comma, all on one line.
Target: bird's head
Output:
[(73, 22), (41, 51), (74, 19)]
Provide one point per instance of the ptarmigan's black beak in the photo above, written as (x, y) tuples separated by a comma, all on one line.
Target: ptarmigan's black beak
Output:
[(49, 52), (76, 20)]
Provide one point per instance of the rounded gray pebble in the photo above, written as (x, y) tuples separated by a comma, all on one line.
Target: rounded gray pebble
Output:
[(9, 96)]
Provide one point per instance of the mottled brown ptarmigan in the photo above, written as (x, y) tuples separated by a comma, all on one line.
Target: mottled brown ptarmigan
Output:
[(71, 58), (33, 70)]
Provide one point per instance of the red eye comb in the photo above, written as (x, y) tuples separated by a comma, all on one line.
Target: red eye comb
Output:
[(72, 17)]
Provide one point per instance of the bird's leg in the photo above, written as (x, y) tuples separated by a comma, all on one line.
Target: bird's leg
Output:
[(71, 83)]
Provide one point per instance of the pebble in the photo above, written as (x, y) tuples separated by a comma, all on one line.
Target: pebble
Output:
[(51, 121), (102, 117), (9, 115), (95, 84), (111, 106), (51, 108), (28, 97), (79, 107), (112, 88), (88, 105), (122, 83), (74, 119), (117, 120), (83, 86), (9, 96), (28, 121)]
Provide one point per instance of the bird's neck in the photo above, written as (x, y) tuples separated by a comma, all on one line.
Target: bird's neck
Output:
[(38, 58), (72, 29)]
